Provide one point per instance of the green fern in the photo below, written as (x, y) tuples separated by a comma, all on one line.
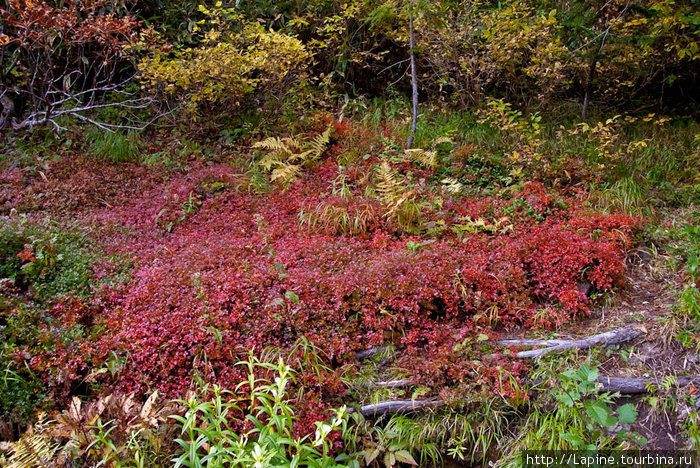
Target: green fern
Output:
[(441, 140), (318, 144)]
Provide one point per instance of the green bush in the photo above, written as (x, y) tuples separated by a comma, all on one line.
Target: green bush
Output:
[(20, 388)]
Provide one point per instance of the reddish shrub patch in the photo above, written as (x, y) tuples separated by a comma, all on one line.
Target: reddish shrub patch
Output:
[(237, 271)]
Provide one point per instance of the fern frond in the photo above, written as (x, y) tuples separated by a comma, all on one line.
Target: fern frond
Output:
[(441, 140), (452, 185), (287, 155), (318, 144), (285, 173), (669, 382), (301, 157), (270, 160), (424, 157), (389, 187), (294, 144), (32, 450), (274, 144)]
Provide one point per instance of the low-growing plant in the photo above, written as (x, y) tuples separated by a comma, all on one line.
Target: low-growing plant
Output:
[(43, 258), (402, 206), (114, 146), (575, 415), (208, 438)]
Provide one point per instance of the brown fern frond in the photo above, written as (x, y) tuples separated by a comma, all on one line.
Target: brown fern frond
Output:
[(285, 173), (34, 449), (318, 144), (424, 157), (389, 186)]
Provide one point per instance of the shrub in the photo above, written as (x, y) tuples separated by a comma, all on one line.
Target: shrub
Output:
[(270, 441), (575, 415), (234, 60)]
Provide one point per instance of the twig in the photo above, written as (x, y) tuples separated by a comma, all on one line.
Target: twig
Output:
[(394, 383)]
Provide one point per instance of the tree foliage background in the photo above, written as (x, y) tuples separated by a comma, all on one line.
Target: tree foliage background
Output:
[(210, 60)]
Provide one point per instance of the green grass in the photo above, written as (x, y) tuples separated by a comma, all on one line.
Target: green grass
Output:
[(115, 146)]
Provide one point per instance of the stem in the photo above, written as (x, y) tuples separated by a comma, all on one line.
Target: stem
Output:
[(414, 81)]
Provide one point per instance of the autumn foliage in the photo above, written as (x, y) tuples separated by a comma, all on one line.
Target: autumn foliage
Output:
[(237, 271)]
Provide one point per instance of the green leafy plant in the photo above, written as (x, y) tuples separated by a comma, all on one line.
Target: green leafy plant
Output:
[(44, 258), (576, 416), (208, 438)]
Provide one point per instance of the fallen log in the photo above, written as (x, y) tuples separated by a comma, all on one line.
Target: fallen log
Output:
[(622, 385), (617, 336), (367, 353), (394, 383), (639, 385), (398, 406)]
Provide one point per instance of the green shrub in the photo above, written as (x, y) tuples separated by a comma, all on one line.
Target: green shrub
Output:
[(575, 415), (20, 388)]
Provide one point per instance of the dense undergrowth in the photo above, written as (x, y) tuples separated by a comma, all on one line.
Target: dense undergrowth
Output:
[(143, 267)]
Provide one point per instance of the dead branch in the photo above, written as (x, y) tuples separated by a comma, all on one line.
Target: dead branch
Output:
[(622, 385), (638, 385), (612, 337), (400, 383), (398, 406), (367, 353)]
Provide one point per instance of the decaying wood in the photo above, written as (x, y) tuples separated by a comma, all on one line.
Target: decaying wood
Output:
[(617, 336), (622, 385), (638, 385), (399, 383), (398, 406), (367, 353)]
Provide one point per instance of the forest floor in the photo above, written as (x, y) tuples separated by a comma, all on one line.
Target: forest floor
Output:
[(135, 277)]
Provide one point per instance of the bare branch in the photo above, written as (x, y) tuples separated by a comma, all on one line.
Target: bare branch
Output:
[(611, 337)]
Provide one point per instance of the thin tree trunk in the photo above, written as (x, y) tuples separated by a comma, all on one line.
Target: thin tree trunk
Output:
[(414, 81), (588, 89), (590, 76), (398, 406)]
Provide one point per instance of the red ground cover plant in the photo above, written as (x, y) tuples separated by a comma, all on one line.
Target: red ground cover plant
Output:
[(238, 272)]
